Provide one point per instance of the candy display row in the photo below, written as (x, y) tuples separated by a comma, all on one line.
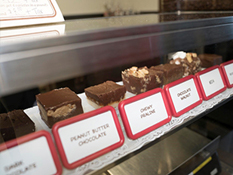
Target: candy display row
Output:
[(60, 104), (108, 123)]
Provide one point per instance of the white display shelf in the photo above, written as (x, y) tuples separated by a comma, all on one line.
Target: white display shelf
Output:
[(129, 145)]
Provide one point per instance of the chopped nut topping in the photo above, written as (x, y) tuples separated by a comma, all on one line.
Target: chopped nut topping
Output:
[(158, 79), (194, 54), (133, 71), (142, 72), (132, 88), (138, 72), (134, 68), (189, 57)]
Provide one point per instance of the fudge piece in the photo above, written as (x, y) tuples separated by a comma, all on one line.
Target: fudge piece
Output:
[(171, 72), (189, 61), (21, 123), (6, 128), (58, 104), (107, 93), (139, 80), (15, 124), (209, 60)]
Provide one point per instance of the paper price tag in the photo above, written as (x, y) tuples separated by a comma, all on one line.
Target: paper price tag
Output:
[(22, 34), (87, 136), (27, 12), (227, 69), (144, 113), (30, 154), (183, 95), (211, 82)]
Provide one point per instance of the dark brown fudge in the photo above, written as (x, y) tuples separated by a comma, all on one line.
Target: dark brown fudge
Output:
[(171, 72), (139, 80), (58, 104), (6, 128), (15, 124), (190, 62), (208, 60), (107, 93)]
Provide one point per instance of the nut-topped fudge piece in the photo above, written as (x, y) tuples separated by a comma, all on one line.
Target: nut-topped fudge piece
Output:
[(58, 105), (171, 72), (15, 124), (189, 61), (209, 60), (139, 80), (107, 93)]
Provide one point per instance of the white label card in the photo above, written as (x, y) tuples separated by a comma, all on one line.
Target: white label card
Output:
[(146, 112), (184, 94), (229, 72), (28, 158), (88, 136), (16, 35), (27, 12), (211, 82)]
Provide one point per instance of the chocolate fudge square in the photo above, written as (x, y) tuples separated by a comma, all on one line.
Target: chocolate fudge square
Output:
[(191, 63), (107, 93), (139, 80), (171, 72), (209, 60), (15, 124), (6, 128), (58, 105)]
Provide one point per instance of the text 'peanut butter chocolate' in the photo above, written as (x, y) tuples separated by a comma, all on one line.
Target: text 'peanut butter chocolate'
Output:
[(58, 104), (107, 93), (139, 80)]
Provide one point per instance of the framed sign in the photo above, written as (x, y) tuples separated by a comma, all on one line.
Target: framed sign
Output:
[(87, 136), (211, 82), (27, 12), (144, 113), (30, 154), (227, 69), (183, 95)]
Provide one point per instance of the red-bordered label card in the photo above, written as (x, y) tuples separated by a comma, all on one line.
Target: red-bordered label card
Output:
[(27, 12), (144, 113), (87, 136), (211, 82), (31, 154), (227, 69), (183, 95)]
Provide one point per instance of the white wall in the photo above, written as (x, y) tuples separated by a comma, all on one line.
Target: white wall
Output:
[(83, 7)]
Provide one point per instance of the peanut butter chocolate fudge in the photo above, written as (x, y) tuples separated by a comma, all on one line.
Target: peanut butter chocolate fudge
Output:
[(209, 60), (171, 72), (58, 104), (189, 61), (139, 80), (15, 124), (107, 93)]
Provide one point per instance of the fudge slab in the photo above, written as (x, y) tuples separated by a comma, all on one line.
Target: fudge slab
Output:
[(58, 105), (139, 80), (209, 60), (191, 63), (171, 72), (15, 124), (107, 93)]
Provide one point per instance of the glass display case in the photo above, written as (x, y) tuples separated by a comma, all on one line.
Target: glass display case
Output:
[(86, 52)]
